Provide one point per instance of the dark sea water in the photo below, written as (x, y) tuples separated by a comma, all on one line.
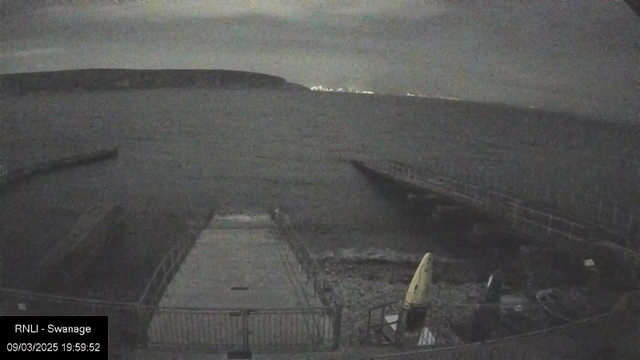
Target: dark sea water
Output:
[(183, 151)]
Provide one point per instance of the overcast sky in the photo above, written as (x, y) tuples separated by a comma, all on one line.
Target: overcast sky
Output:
[(580, 55)]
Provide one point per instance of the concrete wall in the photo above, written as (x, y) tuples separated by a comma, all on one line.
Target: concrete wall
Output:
[(99, 228)]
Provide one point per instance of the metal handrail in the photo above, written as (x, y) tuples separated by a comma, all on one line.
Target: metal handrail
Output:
[(308, 262), (504, 341), (332, 303), (602, 209), (622, 215), (402, 172), (169, 265)]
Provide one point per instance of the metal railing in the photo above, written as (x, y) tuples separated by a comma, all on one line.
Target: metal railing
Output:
[(615, 330), (590, 203), (217, 330), (146, 324), (580, 338), (149, 303), (209, 330), (456, 324), (166, 270), (310, 267), (314, 276), (565, 232), (124, 318)]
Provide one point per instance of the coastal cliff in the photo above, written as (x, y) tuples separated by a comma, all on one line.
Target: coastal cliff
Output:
[(118, 79)]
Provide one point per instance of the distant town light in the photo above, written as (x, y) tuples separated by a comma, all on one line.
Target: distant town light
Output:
[(347, 90), (369, 92)]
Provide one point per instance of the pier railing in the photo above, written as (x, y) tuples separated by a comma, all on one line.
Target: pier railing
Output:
[(558, 228), (314, 275), (611, 207), (592, 203), (166, 270)]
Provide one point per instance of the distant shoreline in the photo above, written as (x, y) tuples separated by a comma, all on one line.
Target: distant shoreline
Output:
[(120, 79)]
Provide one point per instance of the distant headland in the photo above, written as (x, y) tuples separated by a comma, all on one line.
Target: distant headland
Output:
[(118, 79)]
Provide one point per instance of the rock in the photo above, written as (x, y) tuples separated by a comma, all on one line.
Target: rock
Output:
[(370, 277)]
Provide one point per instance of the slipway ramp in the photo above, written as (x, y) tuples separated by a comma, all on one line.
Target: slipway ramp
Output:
[(239, 289)]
